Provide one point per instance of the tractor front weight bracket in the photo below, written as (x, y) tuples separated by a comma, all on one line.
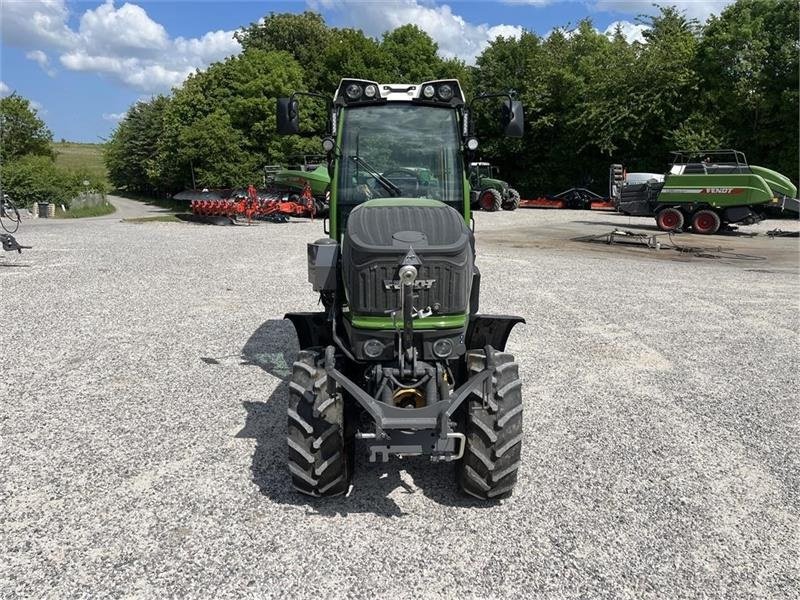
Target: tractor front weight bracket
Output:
[(411, 431)]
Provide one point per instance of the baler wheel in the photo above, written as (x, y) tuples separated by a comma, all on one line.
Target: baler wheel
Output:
[(706, 222), (319, 455), (490, 200), (494, 430), (669, 219)]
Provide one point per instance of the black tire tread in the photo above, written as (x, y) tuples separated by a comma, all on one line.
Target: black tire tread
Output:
[(493, 451), (512, 203), (497, 200), (317, 454)]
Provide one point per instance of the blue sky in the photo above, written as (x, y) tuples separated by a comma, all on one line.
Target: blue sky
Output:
[(84, 63)]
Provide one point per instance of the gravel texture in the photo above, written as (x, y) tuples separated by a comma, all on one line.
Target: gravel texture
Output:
[(143, 415)]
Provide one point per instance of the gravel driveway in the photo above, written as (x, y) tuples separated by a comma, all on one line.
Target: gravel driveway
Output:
[(143, 414)]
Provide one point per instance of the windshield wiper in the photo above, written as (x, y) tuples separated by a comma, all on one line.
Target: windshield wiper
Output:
[(390, 187)]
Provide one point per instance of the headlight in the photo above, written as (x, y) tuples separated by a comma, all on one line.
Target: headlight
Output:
[(373, 348), (472, 143), (370, 91), (445, 92), (354, 91), (428, 91), (442, 348)]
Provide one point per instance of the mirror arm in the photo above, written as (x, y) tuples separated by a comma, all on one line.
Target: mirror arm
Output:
[(489, 96)]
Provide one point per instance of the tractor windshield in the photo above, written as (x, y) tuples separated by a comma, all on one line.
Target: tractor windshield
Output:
[(400, 150)]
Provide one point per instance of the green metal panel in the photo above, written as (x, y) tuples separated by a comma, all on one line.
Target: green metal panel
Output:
[(402, 202), (777, 182), (432, 322), (718, 191), (467, 203), (333, 205)]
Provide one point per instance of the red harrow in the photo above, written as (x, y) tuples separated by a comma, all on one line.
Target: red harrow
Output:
[(253, 206)]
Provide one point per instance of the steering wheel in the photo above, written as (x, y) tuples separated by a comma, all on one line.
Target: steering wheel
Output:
[(405, 174)]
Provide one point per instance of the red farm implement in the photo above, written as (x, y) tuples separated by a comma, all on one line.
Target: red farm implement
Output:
[(254, 206), (574, 198)]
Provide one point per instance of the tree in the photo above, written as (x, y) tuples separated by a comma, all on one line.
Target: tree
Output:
[(351, 54), (21, 130), (409, 54), (748, 59), (221, 123), (304, 36), (130, 152)]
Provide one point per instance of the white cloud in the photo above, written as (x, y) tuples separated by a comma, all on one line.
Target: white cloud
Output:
[(632, 32), (114, 116), (455, 36), (124, 31), (694, 9), (4, 89), (41, 59), (122, 43), (36, 24), (37, 106)]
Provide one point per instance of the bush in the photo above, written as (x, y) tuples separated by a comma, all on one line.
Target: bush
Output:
[(33, 179)]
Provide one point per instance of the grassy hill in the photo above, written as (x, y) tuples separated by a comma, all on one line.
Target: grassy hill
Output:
[(72, 155)]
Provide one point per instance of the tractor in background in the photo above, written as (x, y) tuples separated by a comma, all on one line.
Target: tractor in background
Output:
[(487, 191)]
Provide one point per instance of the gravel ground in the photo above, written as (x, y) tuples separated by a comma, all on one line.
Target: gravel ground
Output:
[(143, 414)]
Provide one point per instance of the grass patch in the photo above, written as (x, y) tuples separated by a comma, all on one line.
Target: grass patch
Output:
[(81, 212), (76, 156), (156, 219)]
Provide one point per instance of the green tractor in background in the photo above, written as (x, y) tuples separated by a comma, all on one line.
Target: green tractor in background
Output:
[(488, 192), (400, 357)]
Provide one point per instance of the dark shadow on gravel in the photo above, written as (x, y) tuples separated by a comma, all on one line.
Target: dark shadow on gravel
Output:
[(273, 348)]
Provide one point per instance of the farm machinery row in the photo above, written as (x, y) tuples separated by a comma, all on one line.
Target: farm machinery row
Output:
[(295, 192), (254, 205), (705, 191)]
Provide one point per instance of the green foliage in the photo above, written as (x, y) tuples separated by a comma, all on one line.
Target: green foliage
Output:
[(92, 210), (409, 54), (35, 178), (590, 99), (130, 152), (21, 130), (305, 37), (748, 62)]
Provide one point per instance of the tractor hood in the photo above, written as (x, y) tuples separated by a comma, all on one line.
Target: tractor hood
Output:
[(380, 233)]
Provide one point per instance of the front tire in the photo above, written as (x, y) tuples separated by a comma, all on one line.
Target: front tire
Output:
[(490, 200), (494, 432), (513, 200), (318, 451)]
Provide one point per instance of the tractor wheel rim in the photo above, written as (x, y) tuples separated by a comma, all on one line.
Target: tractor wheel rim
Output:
[(705, 222), (669, 219), (487, 201)]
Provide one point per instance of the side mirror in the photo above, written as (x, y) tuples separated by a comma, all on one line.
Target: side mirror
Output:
[(288, 116), (513, 120)]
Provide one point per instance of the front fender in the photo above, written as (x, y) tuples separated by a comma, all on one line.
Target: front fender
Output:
[(491, 330), (313, 329)]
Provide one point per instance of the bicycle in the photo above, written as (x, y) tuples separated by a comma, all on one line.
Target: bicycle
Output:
[(9, 215)]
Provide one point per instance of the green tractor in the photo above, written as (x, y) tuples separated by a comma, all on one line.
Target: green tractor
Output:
[(488, 192), (400, 358), (710, 190)]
